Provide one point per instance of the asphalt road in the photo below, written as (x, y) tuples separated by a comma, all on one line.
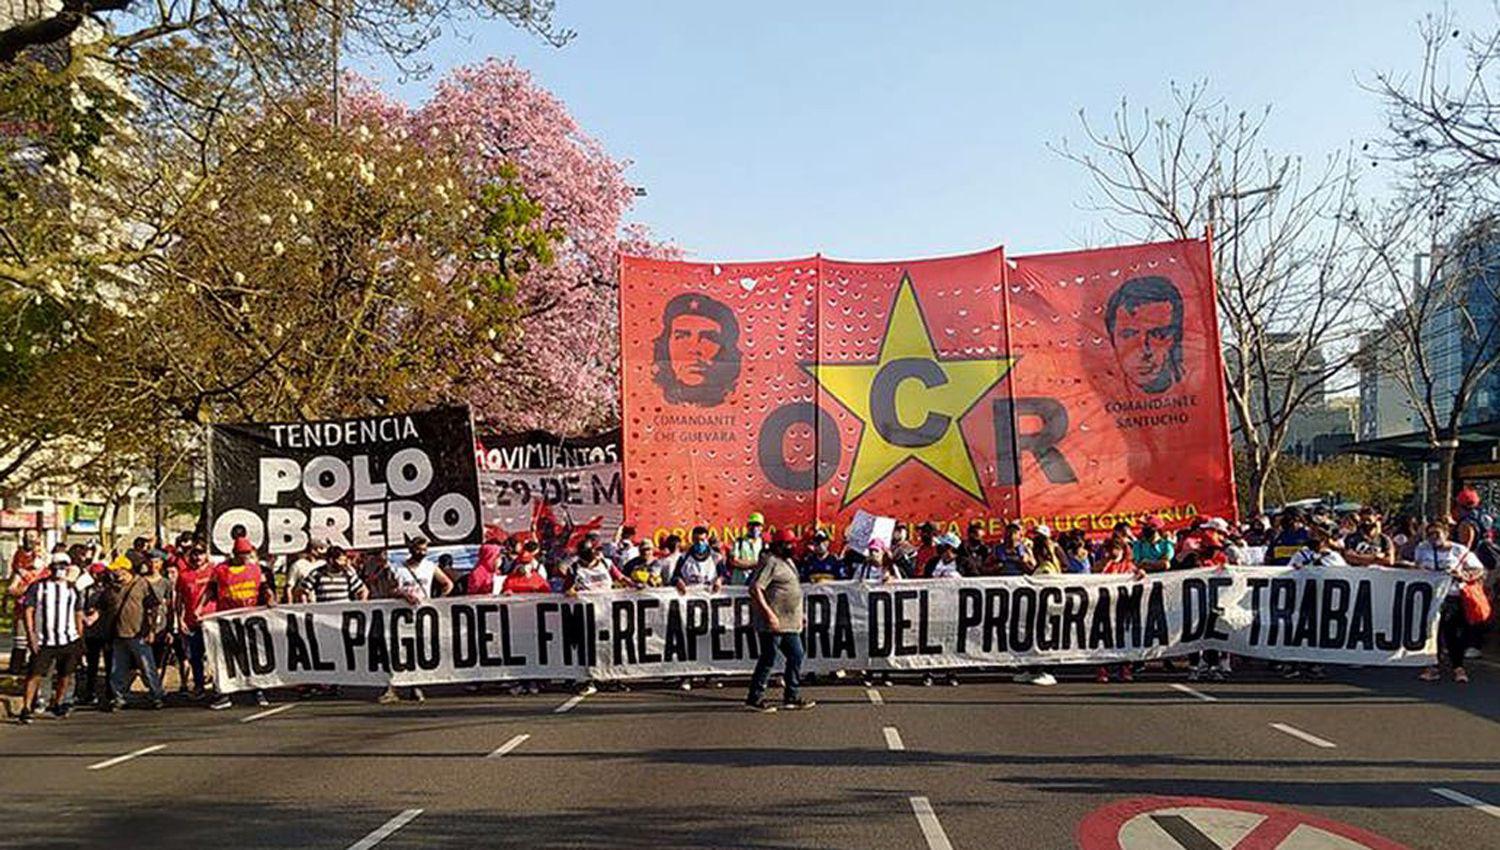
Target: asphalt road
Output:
[(996, 764)]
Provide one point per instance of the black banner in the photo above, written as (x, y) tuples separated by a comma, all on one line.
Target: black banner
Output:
[(368, 483)]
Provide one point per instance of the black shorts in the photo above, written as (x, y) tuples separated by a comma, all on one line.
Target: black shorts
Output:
[(63, 659)]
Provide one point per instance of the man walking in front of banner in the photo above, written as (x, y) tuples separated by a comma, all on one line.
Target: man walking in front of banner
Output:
[(776, 608)]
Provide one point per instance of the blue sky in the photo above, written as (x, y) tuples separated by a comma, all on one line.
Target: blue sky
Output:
[(890, 129)]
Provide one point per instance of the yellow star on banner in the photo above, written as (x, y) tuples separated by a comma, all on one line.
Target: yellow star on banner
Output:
[(910, 403)]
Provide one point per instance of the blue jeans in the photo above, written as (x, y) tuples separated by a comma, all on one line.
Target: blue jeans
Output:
[(195, 655), (130, 653), (790, 646)]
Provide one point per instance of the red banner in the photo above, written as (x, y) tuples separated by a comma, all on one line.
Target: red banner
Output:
[(1074, 389)]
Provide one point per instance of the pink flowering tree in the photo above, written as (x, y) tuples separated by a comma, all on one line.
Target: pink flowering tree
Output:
[(557, 366)]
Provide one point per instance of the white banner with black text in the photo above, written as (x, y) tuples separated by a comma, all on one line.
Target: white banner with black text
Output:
[(1331, 615)]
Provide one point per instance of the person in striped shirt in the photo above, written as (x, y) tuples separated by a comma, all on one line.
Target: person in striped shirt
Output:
[(54, 628), (335, 581)]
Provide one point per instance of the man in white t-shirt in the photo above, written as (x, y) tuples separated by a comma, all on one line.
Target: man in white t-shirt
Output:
[(303, 565), (422, 572)]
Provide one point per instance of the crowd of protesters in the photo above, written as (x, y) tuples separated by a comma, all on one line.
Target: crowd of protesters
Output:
[(97, 624)]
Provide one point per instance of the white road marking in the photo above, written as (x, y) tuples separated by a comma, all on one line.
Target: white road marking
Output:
[(385, 830), (893, 739), (1464, 799), (874, 696), (508, 746), (932, 830), (1305, 736), (1191, 691), (270, 711), (127, 757), (568, 706)]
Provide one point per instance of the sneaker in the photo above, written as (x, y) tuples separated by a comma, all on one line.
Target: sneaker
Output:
[(388, 697), (1045, 680), (1102, 677), (926, 680), (760, 705), (260, 699), (219, 704), (799, 704), (1218, 675), (1126, 674), (416, 694), (198, 695), (533, 688), (718, 685), (588, 689), (1195, 674), (62, 711), (113, 705), (157, 704), (868, 681), (1473, 652), (843, 674), (885, 680), (1291, 673), (1460, 675), (24, 718), (951, 681), (684, 685), (516, 690), (1431, 674), (1024, 678)]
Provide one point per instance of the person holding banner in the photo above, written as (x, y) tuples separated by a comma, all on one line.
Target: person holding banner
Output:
[(819, 565), (527, 575), (944, 564), (335, 581), (1456, 634), (423, 571), (698, 566), (235, 584), (776, 609), (1153, 550)]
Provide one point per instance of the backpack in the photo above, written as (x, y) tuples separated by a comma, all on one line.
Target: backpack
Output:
[(154, 612)]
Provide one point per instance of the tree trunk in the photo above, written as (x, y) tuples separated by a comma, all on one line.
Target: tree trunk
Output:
[(1444, 486), (1255, 494)]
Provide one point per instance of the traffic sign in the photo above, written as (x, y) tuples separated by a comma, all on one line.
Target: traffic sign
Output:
[(1205, 823)]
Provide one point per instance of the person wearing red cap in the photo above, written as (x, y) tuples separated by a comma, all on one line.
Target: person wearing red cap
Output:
[(238, 583), (1474, 529), (776, 609)]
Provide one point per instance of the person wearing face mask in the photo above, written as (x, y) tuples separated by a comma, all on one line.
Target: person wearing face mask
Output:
[(744, 555), (527, 575), (644, 569), (944, 564), (591, 572), (1153, 551), (819, 564), (776, 609), (698, 566), (1440, 554)]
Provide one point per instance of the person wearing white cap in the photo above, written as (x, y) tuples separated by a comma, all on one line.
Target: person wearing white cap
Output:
[(1049, 557), (945, 563)]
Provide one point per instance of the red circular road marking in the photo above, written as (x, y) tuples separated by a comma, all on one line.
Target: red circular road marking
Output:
[(1100, 829)]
